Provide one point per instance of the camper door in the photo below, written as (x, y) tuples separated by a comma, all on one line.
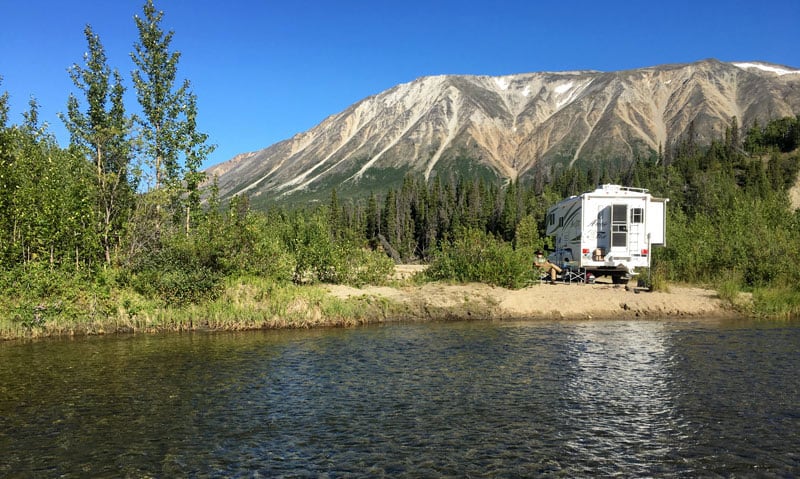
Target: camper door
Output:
[(612, 228), (619, 228)]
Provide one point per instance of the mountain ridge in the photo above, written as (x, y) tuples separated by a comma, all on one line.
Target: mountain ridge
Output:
[(511, 126)]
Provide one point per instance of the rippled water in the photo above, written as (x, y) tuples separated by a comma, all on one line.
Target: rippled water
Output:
[(479, 399)]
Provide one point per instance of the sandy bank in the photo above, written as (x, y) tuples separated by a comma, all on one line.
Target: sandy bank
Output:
[(563, 301)]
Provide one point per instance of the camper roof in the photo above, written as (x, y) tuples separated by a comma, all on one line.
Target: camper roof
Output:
[(617, 189)]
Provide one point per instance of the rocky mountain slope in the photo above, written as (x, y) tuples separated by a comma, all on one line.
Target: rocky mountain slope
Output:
[(509, 126)]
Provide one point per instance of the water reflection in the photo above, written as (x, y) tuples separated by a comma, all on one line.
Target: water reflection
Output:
[(618, 399)]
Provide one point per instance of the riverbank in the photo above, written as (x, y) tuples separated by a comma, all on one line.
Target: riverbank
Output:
[(544, 301), (255, 303)]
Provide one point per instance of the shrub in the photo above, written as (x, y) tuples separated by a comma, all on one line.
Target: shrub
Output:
[(37, 293), (478, 256), (179, 273), (320, 257), (364, 266)]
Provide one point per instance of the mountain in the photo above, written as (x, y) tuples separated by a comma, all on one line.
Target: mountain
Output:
[(511, 126)]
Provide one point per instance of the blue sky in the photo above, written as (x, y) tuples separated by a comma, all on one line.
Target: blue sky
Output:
[(265, 70)]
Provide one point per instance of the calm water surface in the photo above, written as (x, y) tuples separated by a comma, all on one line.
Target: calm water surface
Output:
[(480, 399)]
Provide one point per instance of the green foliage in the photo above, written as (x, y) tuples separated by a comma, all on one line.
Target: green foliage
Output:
[(3, 107), (526, 236), (474, 255), (755, 237), (781, 302), (782, 134), (729, 287), (45, 201), (101, 136), (657, 278), (251, 243), (182, 271), (66, 212), (169, 125), (321, 258), (38, 293)]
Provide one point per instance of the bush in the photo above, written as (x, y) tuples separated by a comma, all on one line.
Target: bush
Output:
[(179, 273), (363, 266), (36, 293), (252, 245), (321, 257), (178, 285), (729, 287), (478, 256)]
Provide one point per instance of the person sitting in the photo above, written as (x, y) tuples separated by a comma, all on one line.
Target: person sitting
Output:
[(541, 263)]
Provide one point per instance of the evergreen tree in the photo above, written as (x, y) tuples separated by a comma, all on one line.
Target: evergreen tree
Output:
[(334, 215), (389, 219), (510, 213), (373, 220)]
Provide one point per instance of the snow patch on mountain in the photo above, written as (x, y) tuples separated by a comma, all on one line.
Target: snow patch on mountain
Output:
[(567, 92), (561, 89), (767, 68)]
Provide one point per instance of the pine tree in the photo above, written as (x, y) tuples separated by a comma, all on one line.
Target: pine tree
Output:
[(334, 212), (509, 212), (373, 221)]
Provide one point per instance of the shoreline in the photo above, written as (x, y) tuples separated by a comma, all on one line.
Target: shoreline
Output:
[(254, 305), (545, 301)]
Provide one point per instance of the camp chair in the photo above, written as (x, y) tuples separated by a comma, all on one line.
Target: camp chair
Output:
[(572, 276)]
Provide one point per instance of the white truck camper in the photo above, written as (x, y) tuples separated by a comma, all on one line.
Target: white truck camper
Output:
[(607, 232)]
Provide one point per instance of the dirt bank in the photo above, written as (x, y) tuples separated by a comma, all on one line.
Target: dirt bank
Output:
[(563, 301)]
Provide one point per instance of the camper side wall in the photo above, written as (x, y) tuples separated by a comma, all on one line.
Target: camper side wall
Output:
[(564, 224)]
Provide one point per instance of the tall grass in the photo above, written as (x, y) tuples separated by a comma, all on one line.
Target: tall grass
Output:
[(244, 303), (777, 303), (730, 287)]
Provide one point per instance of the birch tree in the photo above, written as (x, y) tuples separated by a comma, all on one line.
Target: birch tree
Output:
[(173, 146), (101, 134)]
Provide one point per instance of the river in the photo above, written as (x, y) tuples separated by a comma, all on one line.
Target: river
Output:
[(667, 398)]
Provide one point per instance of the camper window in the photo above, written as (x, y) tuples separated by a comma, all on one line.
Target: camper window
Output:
[(637, 215), (618, 213)]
